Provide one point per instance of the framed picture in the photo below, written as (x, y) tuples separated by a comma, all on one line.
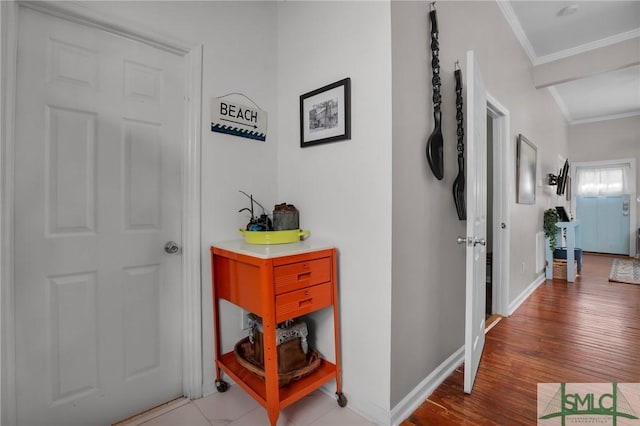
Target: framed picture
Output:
[(325, 114), (526, 159)]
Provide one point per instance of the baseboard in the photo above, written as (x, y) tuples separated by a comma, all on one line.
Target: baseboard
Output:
[(420, 393), (526, 293), (368, 411), (209, 386), (152, 413)]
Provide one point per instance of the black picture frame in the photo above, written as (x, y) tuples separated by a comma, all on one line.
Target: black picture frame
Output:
[(526, 165), (325, 114)]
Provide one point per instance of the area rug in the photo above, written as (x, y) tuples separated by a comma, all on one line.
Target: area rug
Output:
[(625, 271)]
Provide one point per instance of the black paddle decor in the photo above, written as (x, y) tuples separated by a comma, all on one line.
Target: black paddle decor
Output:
[(459, 183), (435, 141)]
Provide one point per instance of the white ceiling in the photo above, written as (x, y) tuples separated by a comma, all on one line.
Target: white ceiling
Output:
[(548, 36)]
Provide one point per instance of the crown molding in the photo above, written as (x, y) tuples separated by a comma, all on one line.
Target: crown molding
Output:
[(606, 118), (516, 27), (514, 23), (587, 47)]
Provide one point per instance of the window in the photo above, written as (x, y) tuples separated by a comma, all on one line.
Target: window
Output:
[(606, 180)]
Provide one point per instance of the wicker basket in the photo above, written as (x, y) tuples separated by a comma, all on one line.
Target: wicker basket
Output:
[(244, 353), (560, 269)]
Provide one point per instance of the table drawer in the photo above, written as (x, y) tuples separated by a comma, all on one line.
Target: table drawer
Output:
[(301, 274), (301, 302)]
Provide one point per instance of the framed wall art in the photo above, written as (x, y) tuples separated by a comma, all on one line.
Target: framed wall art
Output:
[(526, 171), (325, 114)]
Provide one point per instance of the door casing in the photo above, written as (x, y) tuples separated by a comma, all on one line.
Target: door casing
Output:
[(503, 173), (191, 175)]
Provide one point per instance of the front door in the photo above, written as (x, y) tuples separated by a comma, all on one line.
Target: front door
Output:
[(604, 223), (476, 220), (98, 157)]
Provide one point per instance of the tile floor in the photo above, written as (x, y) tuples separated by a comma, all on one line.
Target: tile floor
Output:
[(236, 408)]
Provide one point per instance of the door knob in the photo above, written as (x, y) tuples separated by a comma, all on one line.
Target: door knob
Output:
[(471, 241), (171, 247), (480, 241)]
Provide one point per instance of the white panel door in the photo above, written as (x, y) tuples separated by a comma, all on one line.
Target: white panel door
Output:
[(97, 194), (476, 221)]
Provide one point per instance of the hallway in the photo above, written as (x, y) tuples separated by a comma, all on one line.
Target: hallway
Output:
[(587, 331)]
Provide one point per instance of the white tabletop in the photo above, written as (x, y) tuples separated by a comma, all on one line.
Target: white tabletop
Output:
[(267, 251)]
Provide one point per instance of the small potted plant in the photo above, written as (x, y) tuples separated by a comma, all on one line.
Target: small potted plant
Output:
[(550, 230)]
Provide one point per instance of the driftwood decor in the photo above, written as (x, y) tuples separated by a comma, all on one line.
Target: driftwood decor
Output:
[(435, 141), (459, 183)]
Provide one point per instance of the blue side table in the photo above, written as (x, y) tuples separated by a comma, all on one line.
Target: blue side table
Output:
[(573, 239)]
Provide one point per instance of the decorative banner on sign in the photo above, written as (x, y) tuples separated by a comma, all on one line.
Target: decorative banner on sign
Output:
[(237, 119)]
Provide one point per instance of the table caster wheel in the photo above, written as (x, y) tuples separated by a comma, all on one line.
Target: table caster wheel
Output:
[(222, 386), (342, 400)]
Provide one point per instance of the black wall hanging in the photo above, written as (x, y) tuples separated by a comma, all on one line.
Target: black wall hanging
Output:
[(459, 183), (435, 141)]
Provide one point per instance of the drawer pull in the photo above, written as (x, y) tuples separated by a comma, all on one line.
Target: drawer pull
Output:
[(305, 302), (293, 276), (300, 302)]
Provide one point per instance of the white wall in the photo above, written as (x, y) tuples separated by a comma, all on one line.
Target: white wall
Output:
[(343, 189), (428, 266), (239, 41), (393, 336), (274, 52)]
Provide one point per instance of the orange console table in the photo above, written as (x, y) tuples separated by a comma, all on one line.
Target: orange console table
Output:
[(277, 283)]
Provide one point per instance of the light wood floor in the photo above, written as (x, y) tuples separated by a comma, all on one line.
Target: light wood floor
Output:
[(587, 331)]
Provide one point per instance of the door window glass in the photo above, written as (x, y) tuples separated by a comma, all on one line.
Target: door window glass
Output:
[(609, 180)]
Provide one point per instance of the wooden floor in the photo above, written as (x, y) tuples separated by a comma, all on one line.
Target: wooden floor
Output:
[(587, 331)]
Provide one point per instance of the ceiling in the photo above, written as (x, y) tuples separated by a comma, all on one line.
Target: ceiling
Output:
[(551, 31)]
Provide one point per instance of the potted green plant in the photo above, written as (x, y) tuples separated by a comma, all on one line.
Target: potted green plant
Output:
[(550, 230)]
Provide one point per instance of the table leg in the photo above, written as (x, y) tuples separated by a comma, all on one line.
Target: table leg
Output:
[(273, 413), (271, 369)]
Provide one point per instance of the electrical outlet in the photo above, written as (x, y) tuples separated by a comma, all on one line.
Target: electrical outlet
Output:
[(244, 322)]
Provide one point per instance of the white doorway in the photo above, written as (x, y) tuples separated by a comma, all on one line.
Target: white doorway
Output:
[(501, 188), (100, 318)]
